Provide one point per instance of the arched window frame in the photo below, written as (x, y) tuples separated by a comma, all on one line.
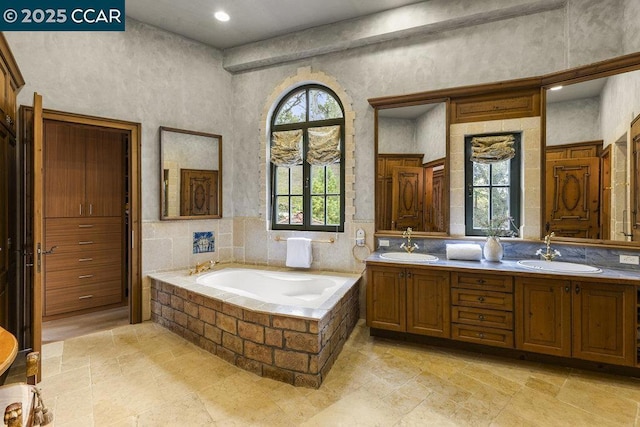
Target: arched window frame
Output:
[(307, 224)]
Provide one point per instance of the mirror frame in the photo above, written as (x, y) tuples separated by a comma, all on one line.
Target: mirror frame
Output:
[(408, 101), (161, 174), (606, 68)]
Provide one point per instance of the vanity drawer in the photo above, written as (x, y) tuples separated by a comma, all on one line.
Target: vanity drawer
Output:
[(482, 317), (481, 335), (63, 227), (88, 259), (489, 282), (482, 299)]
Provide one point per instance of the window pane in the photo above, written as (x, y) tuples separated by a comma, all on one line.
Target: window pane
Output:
[(500, 173), (296, 180), (317, 180), (282, 180), (283, 210), (480, 174), (333, 179), (323, 106), (500, 202), (333, 210), (297, 211), (317, 209), (480, 207), (293, 110)]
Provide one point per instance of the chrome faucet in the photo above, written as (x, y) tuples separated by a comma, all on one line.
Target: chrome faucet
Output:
[(548, 254), (407, 245), (202, 267)]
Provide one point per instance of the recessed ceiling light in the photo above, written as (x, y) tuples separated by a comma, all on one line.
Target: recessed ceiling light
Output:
[(556, 87), (221, 16)]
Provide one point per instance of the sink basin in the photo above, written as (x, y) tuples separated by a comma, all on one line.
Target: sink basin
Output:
[(558, 267), (408, 257)]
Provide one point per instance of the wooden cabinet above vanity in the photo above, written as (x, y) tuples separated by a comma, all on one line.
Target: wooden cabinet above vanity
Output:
[(589, 318)]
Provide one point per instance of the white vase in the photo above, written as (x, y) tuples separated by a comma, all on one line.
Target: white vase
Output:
[(493, 249)]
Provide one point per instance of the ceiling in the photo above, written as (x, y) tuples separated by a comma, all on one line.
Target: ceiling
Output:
[(251, 20)]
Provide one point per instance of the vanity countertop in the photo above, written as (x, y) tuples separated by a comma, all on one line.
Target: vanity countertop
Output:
[(512, 267)]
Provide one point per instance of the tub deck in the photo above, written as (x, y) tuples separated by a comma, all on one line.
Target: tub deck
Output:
[(290, 344)]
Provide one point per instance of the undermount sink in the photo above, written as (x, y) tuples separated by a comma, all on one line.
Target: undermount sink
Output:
[(408, 257), (558, 267)]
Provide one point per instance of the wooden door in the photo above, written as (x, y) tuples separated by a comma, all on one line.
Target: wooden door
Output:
[(104, 172), (439, 207), (407, 198), (4, 229), (605, 194), (604, 323), (428, 303), (543, 316), (64, 166), (37, 229), (386, 298), (635, 180), (573, 197)]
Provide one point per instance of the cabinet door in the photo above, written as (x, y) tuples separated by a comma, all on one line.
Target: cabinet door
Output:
[(64, 166), (604, 322), (104, 171), (428, 303), (543, 316), (386, 298)]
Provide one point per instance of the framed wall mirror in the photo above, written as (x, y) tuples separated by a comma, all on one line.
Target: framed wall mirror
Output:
[(411, 167), (589, 166), (190, 174)]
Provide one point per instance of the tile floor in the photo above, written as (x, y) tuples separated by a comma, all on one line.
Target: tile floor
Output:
[(144, 375)]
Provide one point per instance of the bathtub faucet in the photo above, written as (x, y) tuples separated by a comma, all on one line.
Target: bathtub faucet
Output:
[(202, 267)]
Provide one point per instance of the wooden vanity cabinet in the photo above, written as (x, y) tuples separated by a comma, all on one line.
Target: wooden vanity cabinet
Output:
[(585, 320), (410, 300)]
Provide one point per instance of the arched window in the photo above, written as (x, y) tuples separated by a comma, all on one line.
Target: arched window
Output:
[(307, 161)]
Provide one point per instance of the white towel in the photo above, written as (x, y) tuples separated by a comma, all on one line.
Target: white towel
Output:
[(464, 251), (299, 252)]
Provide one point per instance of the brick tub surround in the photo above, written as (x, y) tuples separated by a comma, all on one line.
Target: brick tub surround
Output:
[(268, 340)]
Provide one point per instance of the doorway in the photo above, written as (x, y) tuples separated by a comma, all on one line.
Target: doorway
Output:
[(32, 239)]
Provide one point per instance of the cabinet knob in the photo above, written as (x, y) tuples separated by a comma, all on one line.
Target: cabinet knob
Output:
[(480, 335), (480, 281), (577, 289), (401, 275), (567, 289), (481, 317), (408, 275), (481, 299)]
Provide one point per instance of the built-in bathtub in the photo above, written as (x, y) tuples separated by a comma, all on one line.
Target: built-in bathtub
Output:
[(285, 325)]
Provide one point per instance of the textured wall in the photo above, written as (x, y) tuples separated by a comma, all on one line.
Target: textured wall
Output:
[(431, 133), (630, 26), (620, 105), (573, 121), (396, 135)]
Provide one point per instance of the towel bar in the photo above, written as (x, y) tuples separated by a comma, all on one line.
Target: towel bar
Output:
[(283, 239)]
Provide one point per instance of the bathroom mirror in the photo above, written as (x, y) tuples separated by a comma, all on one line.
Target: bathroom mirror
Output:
[(190, 174), (587, 157), (411, 167)]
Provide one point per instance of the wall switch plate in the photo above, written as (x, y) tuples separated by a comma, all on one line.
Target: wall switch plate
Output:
[(383, 243), (629, 259)]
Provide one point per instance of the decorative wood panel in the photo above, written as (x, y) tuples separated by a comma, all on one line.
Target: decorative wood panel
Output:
[(574, 151), (496, 106), (104, 183), (407, 198), (385, 165), (198, 192), (573, 197)]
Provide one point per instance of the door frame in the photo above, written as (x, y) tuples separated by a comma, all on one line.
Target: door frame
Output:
[(135, 204), (134, 240)]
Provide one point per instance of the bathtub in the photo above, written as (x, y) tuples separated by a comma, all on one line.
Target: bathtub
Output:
[(284, 325), (285, 288)]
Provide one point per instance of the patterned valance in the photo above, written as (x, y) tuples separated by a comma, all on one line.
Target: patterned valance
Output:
[(286, 148), (324, 145), (492, 149)]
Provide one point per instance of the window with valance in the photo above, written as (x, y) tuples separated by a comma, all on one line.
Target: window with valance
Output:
[(307, 161)]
